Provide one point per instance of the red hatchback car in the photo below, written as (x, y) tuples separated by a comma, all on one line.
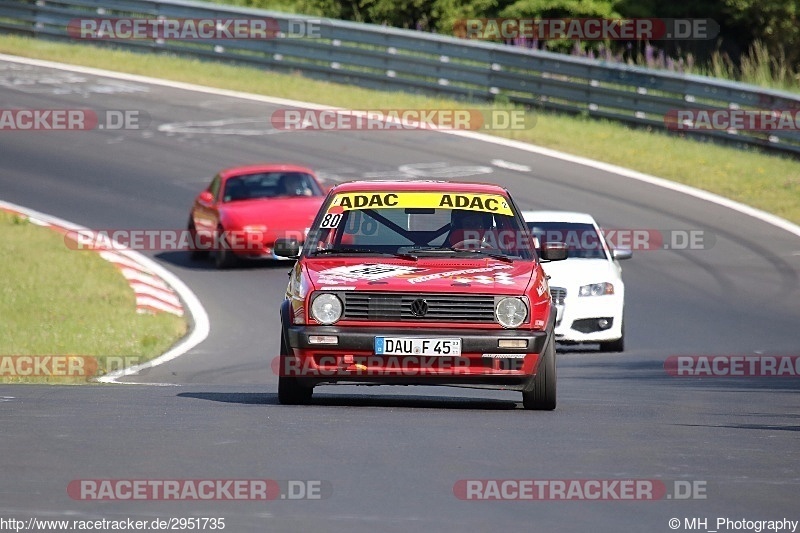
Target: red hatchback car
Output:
[(418, 283), (245, 209)]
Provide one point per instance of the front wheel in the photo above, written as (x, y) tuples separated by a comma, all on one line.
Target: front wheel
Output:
[(290, 390), (195, 254), (223, 257), (540, 392)]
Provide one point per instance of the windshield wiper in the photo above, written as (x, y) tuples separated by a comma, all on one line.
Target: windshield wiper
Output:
[(426, 249), (499, 257), (446, 250), (324, 251)]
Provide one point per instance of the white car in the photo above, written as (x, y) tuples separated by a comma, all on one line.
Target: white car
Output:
[(587, 287)]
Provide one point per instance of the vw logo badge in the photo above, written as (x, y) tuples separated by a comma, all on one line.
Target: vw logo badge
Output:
[(419, 307)]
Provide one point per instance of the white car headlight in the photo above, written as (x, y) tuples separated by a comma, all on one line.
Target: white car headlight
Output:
[(326, 308), (596, 289), (511, 312)]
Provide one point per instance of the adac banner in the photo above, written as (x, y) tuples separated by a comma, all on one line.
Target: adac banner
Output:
[(490, 203)]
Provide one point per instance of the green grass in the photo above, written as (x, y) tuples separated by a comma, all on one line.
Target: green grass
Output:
[(58, 301), (768, 182)]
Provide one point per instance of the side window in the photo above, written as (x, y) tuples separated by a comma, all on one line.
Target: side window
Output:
[(214, 187), (312, 186)]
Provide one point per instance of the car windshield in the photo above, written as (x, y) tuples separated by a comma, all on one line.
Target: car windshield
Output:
[(413, 224), (270, 185), (582, 240)]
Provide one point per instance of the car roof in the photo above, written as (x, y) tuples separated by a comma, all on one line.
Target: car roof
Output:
[(263, 167), (558, 216), (418, 185)]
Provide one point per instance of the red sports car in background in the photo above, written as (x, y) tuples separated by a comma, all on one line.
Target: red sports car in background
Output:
[(245, 209)]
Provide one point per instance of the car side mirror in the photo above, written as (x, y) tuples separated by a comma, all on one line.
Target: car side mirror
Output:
[(206, 197), (287, 248), (621, 253), (554, 251)]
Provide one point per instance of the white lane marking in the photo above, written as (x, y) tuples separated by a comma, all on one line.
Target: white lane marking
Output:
[(223, 127), (510, 166), (442, 170), (201, 327), (335, 174), (23, 78), (37, 222), (386, 175), (148, 384), (437, 170)]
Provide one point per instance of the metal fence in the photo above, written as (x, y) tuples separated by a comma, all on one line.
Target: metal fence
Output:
[(394, 59)]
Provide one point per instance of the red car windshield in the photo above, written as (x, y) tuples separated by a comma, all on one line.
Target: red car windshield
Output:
[(415, 223), (270, 185)]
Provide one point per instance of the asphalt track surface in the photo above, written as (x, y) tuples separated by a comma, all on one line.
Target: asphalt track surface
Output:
[(392, 455)]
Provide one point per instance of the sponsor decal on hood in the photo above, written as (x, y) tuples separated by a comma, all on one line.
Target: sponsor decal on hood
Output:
[(413, 277)]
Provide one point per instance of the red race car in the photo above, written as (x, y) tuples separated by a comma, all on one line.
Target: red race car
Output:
[(245, 209), (418, 283)]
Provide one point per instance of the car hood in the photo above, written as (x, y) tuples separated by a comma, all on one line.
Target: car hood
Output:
[(424, 275), (576, 272), (275, 213)]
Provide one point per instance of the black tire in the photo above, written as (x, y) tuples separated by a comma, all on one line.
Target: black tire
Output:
[(614, 346), (195, 254), (290, 390), (540, 392), (224, 258)]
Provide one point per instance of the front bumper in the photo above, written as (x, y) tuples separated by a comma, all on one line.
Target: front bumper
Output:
[(577, 311), (481, 363)]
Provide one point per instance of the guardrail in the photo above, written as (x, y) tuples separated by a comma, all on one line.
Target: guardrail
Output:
[(394, 59)]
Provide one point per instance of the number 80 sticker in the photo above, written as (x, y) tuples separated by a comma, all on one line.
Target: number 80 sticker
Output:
[(331, 220)]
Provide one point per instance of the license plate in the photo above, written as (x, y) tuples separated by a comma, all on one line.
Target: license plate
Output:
[(417, 346)]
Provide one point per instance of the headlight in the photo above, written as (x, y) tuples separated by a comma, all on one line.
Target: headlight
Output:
[(326, 308), (511, 312), (596, 289)]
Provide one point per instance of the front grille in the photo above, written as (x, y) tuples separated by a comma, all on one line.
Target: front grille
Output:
[(558, 294), (392, 306)]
